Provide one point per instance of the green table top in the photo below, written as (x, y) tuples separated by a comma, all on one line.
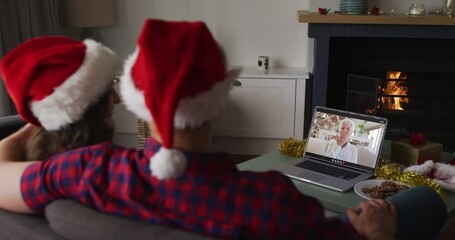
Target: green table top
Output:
[(332, 200)]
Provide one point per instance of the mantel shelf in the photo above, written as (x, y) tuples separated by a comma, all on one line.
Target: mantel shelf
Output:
[(336, 18)]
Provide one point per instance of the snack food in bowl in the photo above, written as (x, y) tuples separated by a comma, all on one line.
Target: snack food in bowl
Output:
[(385, 190), (378, 189)]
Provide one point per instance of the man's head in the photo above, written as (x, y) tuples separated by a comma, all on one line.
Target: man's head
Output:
[(346, 125), (176, 79)]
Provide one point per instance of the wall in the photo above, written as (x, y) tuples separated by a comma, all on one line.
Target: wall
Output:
[(245, 28)]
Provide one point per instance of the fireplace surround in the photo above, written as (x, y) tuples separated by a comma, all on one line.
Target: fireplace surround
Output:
[(424, 52)]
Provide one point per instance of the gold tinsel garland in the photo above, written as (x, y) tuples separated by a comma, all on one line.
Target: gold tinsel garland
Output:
[(292, 147), (392, 171)]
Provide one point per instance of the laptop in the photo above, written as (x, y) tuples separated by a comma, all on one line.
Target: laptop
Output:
[(326, 163)]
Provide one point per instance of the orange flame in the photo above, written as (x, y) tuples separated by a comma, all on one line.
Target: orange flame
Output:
[(396, 75), (395, 88)]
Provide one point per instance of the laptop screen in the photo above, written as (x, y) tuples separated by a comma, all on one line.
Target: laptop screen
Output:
[(346, 138)]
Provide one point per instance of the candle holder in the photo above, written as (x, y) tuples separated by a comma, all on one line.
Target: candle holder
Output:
[(417, 9)]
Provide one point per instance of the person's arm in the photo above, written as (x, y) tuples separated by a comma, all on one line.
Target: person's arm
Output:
[(12, 166), (375, 219)]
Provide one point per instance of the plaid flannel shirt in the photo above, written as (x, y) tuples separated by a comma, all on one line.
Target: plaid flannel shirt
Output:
[(211, 197)]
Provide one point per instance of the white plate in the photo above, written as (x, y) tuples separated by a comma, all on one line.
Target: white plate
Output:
[(370, 183)]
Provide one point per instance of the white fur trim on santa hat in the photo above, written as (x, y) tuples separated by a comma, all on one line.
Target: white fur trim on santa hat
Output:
[(132, 97), (167, 163), (422, 169), (191, 112), (69, 101), (444, 174)]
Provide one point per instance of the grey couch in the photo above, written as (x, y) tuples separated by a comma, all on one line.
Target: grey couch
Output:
[(67, 219)]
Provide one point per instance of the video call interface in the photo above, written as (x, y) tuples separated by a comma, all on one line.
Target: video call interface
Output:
[(362, 147)]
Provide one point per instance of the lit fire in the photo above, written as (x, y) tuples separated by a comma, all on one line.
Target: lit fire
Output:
[(395, 88), (396, 75)]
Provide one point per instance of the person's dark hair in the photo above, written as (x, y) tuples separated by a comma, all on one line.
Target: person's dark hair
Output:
[(91, 129)]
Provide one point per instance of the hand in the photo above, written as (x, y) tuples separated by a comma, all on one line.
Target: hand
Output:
[(23, 135), (343, 138), (377, 219), (13, 147)]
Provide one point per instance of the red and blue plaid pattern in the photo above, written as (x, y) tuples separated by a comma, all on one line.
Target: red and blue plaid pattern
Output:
[(212, 197)]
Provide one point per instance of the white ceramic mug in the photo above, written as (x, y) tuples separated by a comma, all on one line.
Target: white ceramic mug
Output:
[(263, 63)]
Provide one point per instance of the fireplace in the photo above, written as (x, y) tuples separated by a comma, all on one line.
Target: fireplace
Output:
[(355, 63)]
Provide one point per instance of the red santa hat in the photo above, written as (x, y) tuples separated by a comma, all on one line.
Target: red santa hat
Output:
[(442, 173), (176, 78), (53, 80)]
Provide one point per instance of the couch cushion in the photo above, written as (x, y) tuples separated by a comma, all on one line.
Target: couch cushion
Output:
[(17, 226), (72, 220)]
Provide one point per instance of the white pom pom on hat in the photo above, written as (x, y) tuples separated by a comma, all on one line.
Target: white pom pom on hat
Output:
[(167, 163), (176, 78)]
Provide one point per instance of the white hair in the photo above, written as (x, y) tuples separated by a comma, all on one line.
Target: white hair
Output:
[(346, 120)]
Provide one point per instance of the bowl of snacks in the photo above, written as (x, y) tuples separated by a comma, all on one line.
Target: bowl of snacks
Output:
[(378, 189)]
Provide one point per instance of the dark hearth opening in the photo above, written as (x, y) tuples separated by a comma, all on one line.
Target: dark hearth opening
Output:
[(360, 69)]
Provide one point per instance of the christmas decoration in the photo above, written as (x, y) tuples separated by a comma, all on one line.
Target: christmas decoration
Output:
[(402, 151), (292, 147), (442, 173), (392, 171), (323, 11), (374, 10), (52, 80), (417, 138)]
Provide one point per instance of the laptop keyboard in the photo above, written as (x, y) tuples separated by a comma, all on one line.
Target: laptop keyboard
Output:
[(329, 170)]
